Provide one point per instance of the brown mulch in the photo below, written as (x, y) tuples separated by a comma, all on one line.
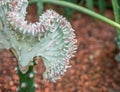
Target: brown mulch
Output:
[(94, 68)]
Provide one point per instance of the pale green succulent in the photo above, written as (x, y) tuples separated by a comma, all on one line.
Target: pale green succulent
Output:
[(52, 38)]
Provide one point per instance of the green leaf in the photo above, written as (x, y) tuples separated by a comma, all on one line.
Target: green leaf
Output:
[(90, 4), (116, 10), (40, 6), (102, 6)]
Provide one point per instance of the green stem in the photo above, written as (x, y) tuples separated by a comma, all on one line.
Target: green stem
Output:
[(81, 9), (116, 13), (26, 81)]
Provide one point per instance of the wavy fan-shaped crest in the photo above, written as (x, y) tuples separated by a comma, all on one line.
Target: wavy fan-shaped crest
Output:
[(52, 38)]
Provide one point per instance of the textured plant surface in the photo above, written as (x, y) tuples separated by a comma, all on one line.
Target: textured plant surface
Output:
[(51, 38)]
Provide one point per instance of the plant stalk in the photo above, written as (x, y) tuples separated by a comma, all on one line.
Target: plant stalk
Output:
[(26, 80)]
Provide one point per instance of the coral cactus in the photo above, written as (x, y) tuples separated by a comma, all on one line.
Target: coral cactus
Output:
[(51, 38), (55, 45)]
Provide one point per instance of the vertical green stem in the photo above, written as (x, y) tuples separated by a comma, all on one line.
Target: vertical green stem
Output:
[(26, 80), (116, 13), (102, 6), (115, 4)]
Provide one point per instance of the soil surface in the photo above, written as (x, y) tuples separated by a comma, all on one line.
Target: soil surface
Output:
[(94, 68)]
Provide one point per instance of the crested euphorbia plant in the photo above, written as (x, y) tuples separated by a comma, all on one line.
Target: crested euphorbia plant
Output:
[(51, 38)]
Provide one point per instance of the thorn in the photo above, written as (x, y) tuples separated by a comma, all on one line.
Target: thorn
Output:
[(31, 63), (62, 54), (35, 71), (65, 50), (73, 56), (23, 85), (36, 85), (16, 69), (31, 75), (39, 37), (68, 66), (36, 62)]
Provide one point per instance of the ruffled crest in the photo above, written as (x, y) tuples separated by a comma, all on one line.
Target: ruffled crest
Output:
[(56, 42)]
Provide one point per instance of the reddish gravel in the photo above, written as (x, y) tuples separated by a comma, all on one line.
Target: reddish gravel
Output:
[(94, 68)]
